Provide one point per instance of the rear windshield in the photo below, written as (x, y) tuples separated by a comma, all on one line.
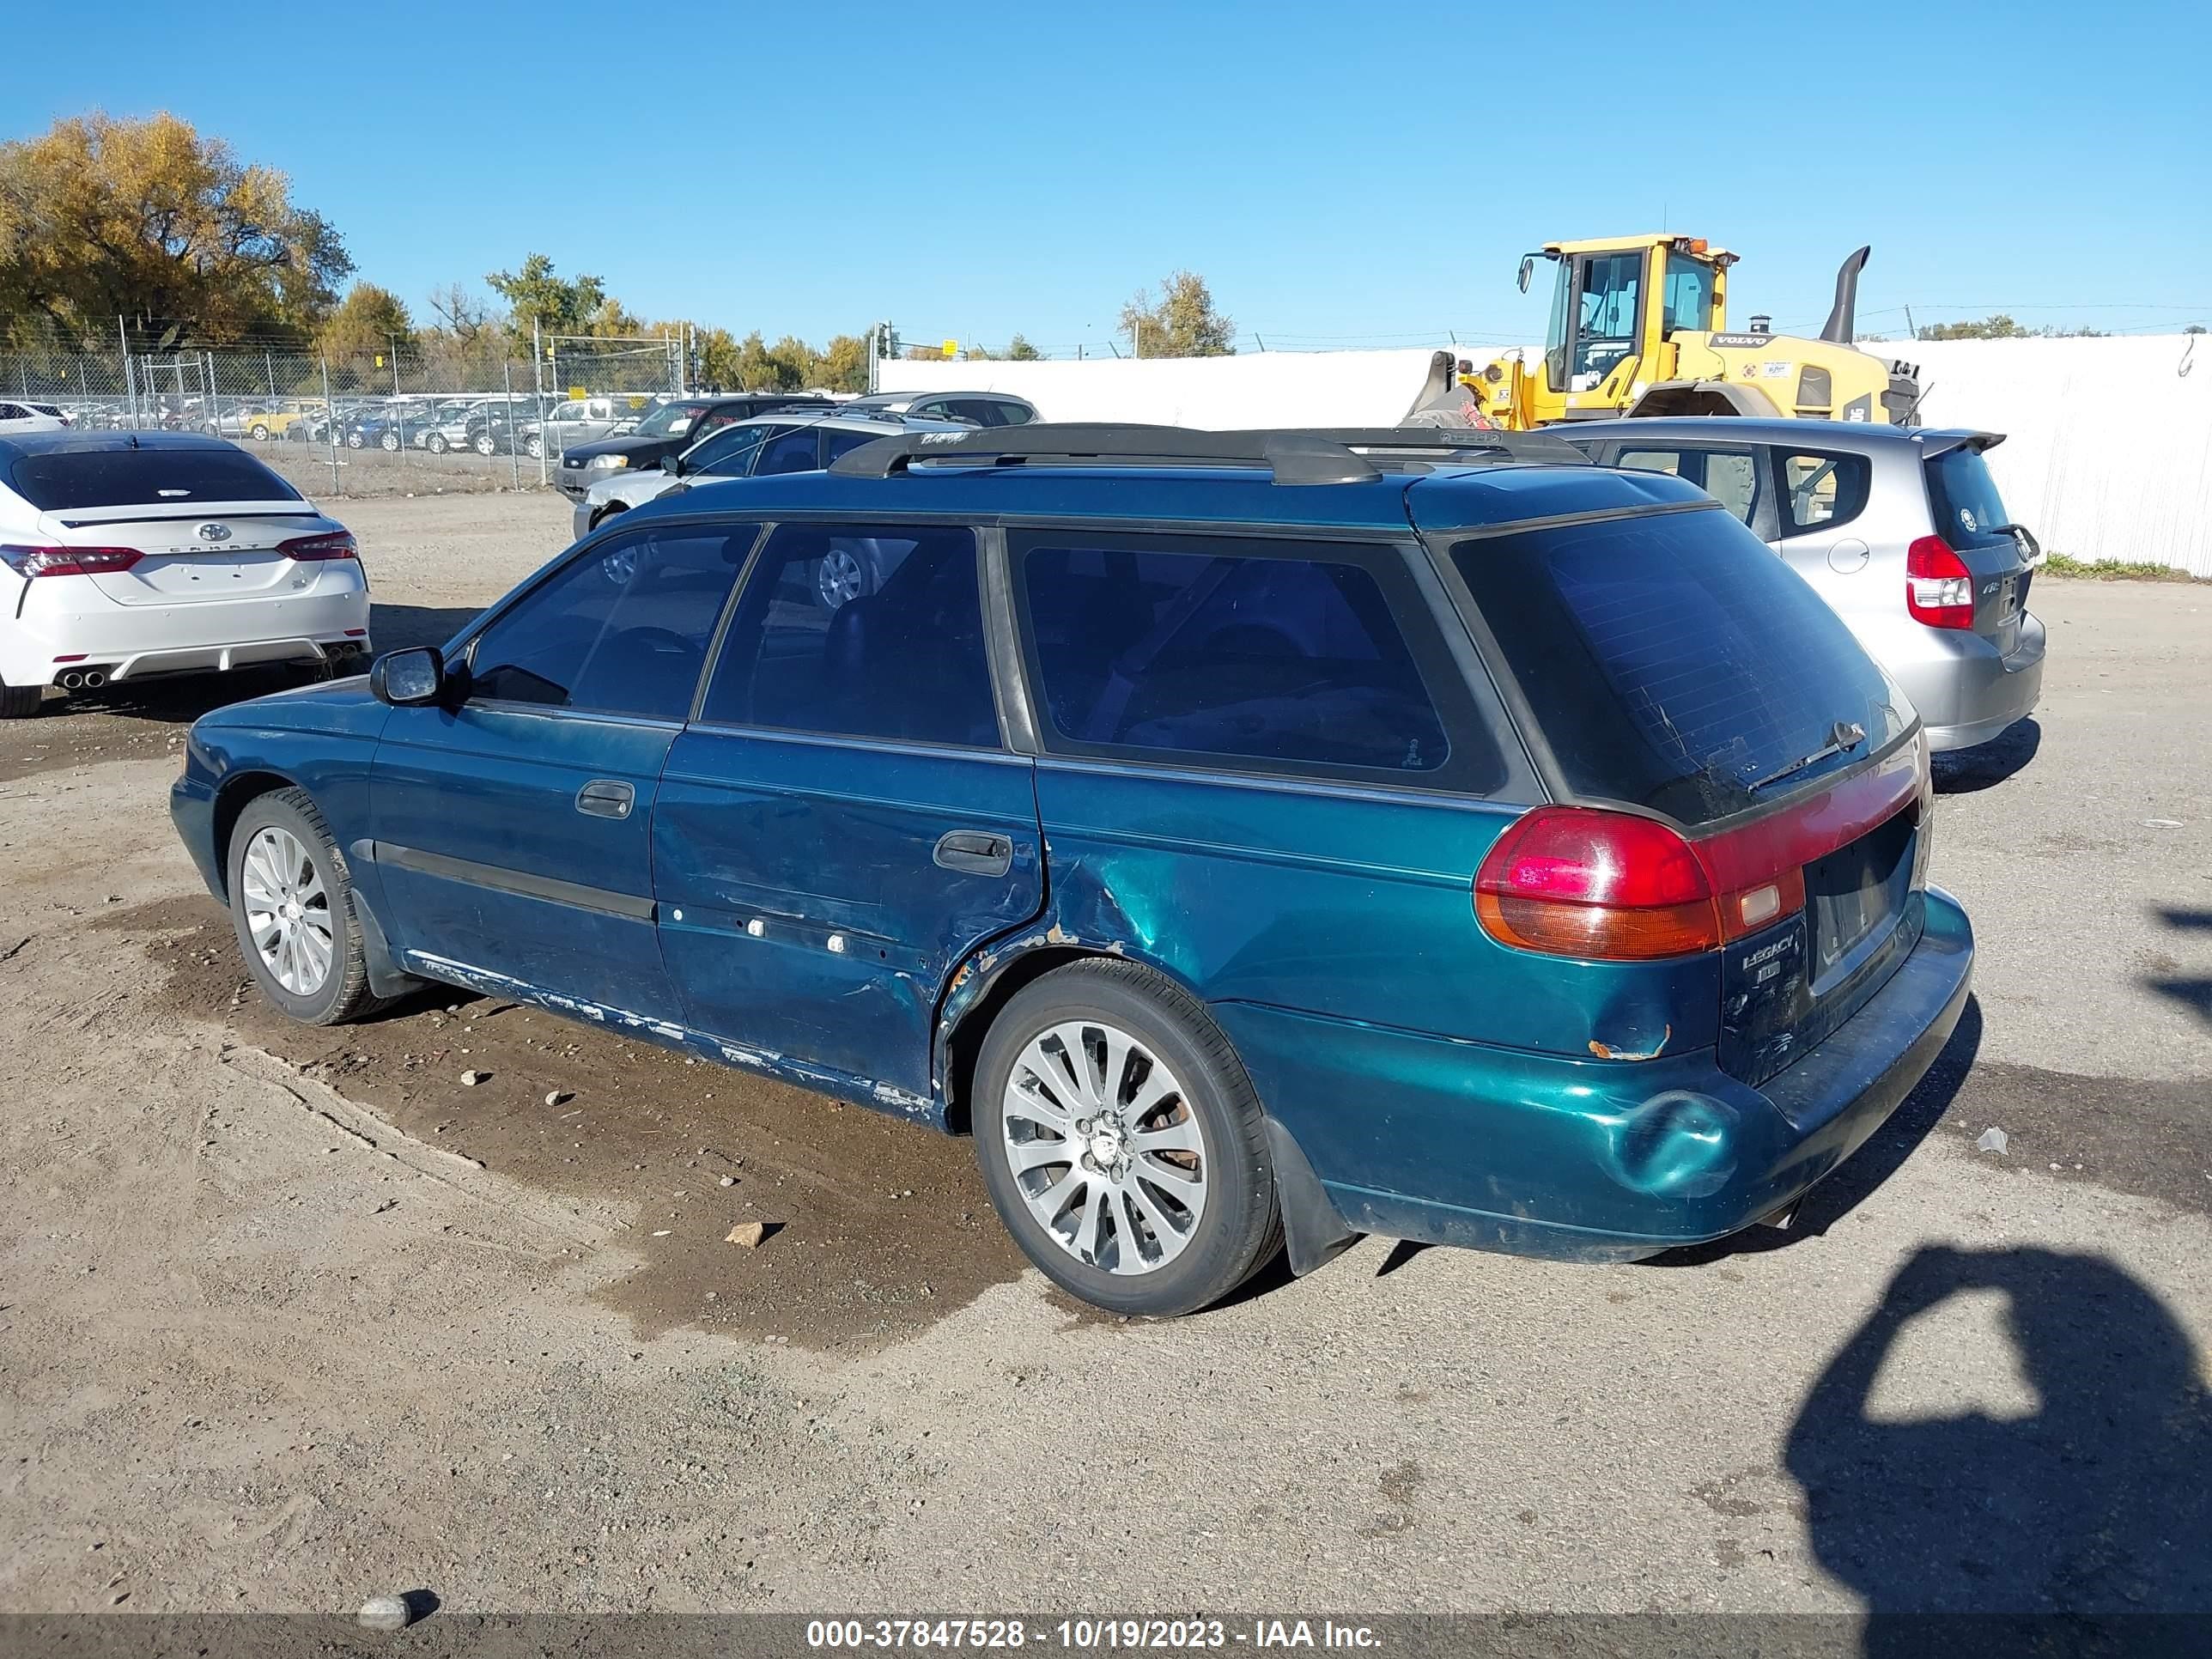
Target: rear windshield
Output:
[(1673, 662), (56, 479), (1969, 513)]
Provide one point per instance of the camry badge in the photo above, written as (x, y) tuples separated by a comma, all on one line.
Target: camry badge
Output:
[(214, 533)]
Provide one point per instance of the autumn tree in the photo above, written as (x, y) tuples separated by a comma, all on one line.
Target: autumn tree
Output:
[(147, 220), (370, 320), (1183, 323), (842, 365)]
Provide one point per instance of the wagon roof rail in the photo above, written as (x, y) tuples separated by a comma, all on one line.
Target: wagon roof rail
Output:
[(1293, 455)]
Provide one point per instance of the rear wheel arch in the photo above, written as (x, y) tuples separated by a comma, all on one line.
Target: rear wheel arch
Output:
[(966, 1013)]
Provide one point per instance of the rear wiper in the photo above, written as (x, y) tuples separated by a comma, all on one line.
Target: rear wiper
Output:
[(1844, 736)]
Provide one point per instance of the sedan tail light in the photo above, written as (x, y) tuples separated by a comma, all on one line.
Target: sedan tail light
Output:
[(1939, 589), (69, 561), (338, 545)]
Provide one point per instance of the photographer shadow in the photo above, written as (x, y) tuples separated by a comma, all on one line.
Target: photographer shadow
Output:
[(2094, 1507)]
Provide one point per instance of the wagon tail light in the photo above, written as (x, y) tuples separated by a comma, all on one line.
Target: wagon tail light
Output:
[(1580, 881), (309, 548), (1574, 881), (1939, 589), (69, 561)]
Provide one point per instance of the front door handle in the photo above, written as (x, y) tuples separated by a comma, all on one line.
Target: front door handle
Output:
[(604, 797), (975, 853)]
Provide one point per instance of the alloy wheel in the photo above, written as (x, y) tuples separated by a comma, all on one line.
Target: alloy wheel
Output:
[(1104, 1148), (839, 579), (287, 911)]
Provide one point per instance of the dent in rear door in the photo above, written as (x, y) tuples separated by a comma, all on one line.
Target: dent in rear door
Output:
[(844, 825)]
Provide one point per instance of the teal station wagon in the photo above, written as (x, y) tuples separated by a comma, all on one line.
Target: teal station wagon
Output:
[(1253, 840)]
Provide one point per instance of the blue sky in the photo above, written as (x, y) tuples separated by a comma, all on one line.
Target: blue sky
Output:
[(1342, 175)]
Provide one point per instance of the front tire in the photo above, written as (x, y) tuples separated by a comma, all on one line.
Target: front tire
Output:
[(258, 433), (1121, 1142), (437, 444), (291, 906), (354, 440), (391, 441), (485, 446)]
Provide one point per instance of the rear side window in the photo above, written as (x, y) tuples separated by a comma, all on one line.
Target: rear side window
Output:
[(793, 449), (622, 629), (728, 451), (1731, 477), (1821, 491), (860, 630), (1673, 662), (1290, 659), (1969, 513), (60, 478)]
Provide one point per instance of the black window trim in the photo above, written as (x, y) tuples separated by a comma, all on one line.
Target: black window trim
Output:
[(1779, 454), (463, 647), (1766, 520), (1392, 561), (697, 720)]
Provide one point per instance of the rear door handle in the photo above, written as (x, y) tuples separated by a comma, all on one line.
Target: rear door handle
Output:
[(603, 798), (975, 853)]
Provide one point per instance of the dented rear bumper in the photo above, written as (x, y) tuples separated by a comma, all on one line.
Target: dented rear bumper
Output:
[(1447, 1142)]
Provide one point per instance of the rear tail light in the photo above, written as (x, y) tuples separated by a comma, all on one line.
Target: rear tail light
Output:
[(339, 544), (1573, 881), (1939, 589), (69, 561)]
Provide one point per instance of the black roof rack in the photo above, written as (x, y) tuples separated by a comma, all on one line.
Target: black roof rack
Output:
[(1293, 455)]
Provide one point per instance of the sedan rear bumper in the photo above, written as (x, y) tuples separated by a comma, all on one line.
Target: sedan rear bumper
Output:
[(1451, 1143), (127, 641)]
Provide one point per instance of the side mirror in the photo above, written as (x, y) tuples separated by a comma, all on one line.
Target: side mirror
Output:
[(408, 679), (1528, 270), (672, 465)]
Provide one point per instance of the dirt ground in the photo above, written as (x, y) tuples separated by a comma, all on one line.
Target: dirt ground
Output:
[(291, 1317)]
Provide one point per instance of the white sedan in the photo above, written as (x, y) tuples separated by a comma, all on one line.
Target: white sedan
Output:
[(127, 555)]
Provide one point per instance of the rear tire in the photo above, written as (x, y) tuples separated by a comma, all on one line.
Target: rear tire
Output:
[(1165, 1201), (437, 444), (19, 703), (391, 442), (291, 906), (258, 433), (354, 440)]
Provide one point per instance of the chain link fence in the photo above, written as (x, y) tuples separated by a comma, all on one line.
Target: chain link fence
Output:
[(369, 422)]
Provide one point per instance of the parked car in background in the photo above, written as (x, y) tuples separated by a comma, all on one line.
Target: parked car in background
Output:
[(28, 417), (673, 426), (586, 419), (1901, 530), (55, 410), (275, 423), (795, 440), (975, 408), (1200, 819), (124, 556), (447, 425), (498, 426)]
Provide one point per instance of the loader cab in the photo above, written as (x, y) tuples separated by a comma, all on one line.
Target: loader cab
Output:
[(1614, 307)]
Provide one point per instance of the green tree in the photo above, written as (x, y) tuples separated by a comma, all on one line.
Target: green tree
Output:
[(1021, 351), (755, 368), (370, 320), (1996, 327), (535, 294), (147, 220), (1182, 324), (715, 353)]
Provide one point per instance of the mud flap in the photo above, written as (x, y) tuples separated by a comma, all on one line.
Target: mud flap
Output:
[(1313, 1232)]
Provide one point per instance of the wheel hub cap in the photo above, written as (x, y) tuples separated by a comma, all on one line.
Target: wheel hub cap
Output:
[(287, 911), (1104, 1148)]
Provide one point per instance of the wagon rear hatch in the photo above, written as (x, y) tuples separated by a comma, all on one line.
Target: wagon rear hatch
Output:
[(163, 525), (1703, 713)]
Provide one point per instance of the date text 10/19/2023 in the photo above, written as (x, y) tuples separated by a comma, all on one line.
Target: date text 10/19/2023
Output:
[(1086, 1635)]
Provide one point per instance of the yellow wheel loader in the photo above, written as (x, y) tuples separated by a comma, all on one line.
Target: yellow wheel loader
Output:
[(1639, 326)]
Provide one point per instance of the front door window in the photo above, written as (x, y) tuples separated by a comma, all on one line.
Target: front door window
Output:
[(1607, 306)]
